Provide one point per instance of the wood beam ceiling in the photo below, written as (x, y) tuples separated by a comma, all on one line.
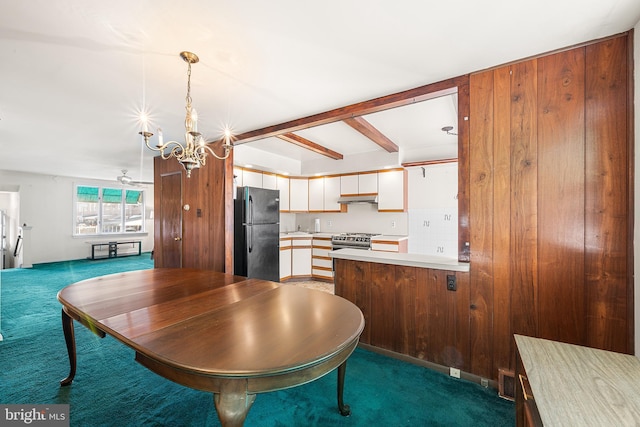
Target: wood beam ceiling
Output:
[(309, 145), (351, 115), (368, 130)]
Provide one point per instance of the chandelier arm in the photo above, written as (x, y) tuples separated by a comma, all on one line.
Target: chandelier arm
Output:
[(227, 151)]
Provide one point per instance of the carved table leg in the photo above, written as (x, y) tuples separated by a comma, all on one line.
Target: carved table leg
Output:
[(233, 403), (70, 340), (344, 409)]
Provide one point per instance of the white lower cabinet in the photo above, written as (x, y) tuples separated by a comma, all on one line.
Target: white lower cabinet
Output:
[(301, 261), (295, 257), (285, 259)]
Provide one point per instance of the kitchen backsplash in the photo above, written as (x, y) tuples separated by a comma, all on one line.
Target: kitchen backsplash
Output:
[(360, 218), (434, 232)]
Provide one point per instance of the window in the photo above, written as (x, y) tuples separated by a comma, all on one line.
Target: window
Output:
[(99, 210)]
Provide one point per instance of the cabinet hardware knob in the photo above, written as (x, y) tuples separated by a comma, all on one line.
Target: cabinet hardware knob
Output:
[(177, 239), (473, 306)]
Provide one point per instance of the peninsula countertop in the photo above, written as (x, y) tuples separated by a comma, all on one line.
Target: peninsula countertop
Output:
[(405, 259), (581, 386)]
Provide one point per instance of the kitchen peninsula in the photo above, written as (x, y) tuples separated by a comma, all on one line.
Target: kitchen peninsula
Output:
[(415, 305), (405, 259)]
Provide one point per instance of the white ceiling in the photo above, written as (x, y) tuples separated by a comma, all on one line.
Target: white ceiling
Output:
[(74, 75)]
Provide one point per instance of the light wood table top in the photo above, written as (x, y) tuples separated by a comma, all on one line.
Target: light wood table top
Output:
[(225, 334), (581, 386)]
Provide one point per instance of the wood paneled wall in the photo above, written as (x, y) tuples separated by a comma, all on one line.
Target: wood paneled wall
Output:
[(550, 218), (209, 194)]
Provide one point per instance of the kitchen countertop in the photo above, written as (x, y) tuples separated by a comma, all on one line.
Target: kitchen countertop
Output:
[(304, 234), (581, 386), (390, 237), (409, 260)]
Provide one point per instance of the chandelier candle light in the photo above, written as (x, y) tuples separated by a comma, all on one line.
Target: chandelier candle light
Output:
[(193, 153)]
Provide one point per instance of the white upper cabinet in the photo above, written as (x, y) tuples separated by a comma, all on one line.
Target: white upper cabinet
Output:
[(368, 183), (360, 183), (331, 193), (392, 190), (299, 194), (251, 178), (316, 194), (269, 181), (349, 184), (282, 184)]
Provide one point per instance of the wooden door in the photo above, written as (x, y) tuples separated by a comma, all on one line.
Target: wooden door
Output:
[(170, 221)]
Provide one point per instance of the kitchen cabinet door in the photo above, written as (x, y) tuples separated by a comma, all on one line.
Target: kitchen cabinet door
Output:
[(251, 179), (316, 194), (299, 195), (368, 183), (392, 191), (301, 261), (285, 261), (348, 185), (282, 184), (269, 181), (331, 193)]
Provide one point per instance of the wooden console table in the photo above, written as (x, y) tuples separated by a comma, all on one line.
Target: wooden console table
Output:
[(232, 336)]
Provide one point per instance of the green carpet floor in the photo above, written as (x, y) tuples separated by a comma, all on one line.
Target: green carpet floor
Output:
[(110, 389)]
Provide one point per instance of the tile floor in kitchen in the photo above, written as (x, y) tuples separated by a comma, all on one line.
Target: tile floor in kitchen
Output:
[(313, 284)]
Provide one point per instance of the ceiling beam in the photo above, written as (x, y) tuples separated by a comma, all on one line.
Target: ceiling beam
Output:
[(368, 130), (309, 145), (407, 97)]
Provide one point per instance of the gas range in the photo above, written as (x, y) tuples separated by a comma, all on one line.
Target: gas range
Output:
[(352, 240)]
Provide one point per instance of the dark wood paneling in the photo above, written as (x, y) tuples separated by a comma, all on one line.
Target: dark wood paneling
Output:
[(353, 283), (607, 213), (383, 306), (524, 225), (461, 301), (464, 138), (405, 309), (423, 327), (503, 344), (481, 225), (205, 235), (561, 193)]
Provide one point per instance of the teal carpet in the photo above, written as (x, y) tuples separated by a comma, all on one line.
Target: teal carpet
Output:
[(110, 389)]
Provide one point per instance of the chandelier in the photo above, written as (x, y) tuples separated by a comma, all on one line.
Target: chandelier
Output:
[(191, 154)]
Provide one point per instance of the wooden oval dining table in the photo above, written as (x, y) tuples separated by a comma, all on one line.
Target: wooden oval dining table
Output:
[(225, 334)]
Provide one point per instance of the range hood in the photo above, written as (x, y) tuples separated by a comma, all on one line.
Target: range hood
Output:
[(371, 198)]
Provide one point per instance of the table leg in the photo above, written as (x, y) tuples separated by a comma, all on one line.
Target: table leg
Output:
[(344, 409), (70, 340), (233, 403)]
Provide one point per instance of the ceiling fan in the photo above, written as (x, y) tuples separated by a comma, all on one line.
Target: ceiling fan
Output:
[(127, 180)]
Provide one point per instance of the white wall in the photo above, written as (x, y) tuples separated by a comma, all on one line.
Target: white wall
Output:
[(46, 204)]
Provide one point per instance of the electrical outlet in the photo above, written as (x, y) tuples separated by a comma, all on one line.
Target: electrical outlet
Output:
[(393, 224), (484, 382), (451, 282), (454, 372), (329, 223)]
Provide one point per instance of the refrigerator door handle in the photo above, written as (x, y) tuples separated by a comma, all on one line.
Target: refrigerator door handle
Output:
[(250, 219), (250, 238)]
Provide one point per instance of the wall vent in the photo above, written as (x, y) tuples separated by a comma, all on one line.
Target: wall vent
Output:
[(506, 384)]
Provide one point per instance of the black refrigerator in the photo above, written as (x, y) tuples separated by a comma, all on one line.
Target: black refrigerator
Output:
[(257, 233)]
